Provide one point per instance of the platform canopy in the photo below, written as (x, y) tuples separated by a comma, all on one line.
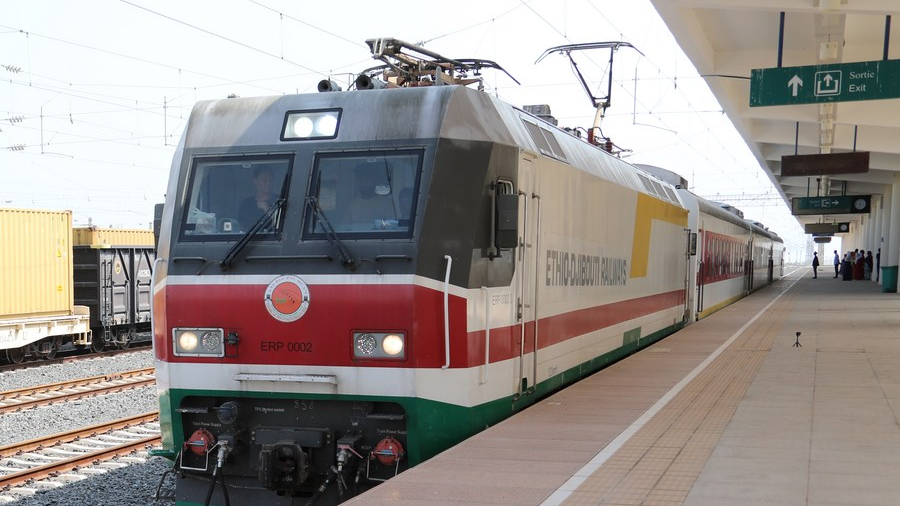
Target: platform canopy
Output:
[(823, 99)]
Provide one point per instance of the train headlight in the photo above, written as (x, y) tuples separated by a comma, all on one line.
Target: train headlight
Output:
[(311, 125), (198, 342), (187, 341), (303, 126), (392, 344), (384, 345)]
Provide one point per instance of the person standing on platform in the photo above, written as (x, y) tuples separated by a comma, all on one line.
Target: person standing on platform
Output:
[(869, 261), (815, 265), (878, 265), (847, 267), (859, 266), (837, 263)]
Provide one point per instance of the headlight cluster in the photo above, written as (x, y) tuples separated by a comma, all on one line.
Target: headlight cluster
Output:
[(379, 345), (198, 342), (311, 125)]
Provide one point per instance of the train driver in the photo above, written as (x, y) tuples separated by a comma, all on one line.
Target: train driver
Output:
[(254, 206)]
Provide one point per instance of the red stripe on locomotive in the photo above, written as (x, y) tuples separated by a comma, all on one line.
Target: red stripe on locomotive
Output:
[(559, 328), (337, 310), (325, 331)]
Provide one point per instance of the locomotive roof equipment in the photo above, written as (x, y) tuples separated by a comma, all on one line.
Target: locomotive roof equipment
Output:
[(409, 65)]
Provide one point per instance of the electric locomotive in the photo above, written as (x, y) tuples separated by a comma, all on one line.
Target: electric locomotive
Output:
[(348, 283)]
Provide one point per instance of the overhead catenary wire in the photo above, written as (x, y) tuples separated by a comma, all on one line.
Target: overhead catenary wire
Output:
[(179, 69), (125, 103), (116, 104), (169, 96), (99, 98), (604, 70), (674, 81), (619, 83), (319, 28), (228, 39), (726, 172), (466, 28), (121, 55)]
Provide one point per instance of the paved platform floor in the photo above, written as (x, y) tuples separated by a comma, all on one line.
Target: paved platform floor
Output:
[(733, 410)]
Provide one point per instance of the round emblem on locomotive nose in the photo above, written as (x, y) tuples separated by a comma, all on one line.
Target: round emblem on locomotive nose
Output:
[(287, 298)]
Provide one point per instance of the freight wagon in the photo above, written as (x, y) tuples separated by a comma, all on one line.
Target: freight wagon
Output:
[(70, 288), (113, 269)]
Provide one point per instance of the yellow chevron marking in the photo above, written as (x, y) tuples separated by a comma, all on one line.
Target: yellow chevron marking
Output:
[(649, 209)]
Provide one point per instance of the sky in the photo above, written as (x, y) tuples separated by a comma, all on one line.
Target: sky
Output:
[(94, 94)]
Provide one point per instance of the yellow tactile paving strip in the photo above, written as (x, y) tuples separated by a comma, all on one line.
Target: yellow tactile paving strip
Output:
[(764, 424), (659, 465)]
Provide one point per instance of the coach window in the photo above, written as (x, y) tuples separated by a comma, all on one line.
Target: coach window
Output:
[(369, 194), (227, 196)]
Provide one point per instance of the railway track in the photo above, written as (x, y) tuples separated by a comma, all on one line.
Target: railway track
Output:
[(72, 356), (57, 455), (25, 398)]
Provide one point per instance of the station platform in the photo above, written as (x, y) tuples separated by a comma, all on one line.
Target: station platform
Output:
[(733, 410)]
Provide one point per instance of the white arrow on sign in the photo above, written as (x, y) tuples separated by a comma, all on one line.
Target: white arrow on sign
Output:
[(795, 83)]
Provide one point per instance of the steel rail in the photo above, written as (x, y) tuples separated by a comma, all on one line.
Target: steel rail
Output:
[(73, 356), (76, 434), (15, 400), (42, 471)]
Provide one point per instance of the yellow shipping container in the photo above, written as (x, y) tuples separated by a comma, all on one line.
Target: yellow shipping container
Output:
[(35, 263), (93, 236)]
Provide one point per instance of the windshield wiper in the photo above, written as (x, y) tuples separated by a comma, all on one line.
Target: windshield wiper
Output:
[(346, 259), (260, 224)]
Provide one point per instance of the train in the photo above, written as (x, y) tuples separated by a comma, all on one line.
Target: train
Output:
[(350, 282), (69, 288), (730, 256)]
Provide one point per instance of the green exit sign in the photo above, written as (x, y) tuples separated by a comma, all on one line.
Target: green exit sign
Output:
[(844, 204), (833, 82)]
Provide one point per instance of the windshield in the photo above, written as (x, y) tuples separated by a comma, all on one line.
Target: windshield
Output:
[(370, 194), (228, 195)]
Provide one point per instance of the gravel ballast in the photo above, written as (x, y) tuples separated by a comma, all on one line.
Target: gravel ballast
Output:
[(132, 485)]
